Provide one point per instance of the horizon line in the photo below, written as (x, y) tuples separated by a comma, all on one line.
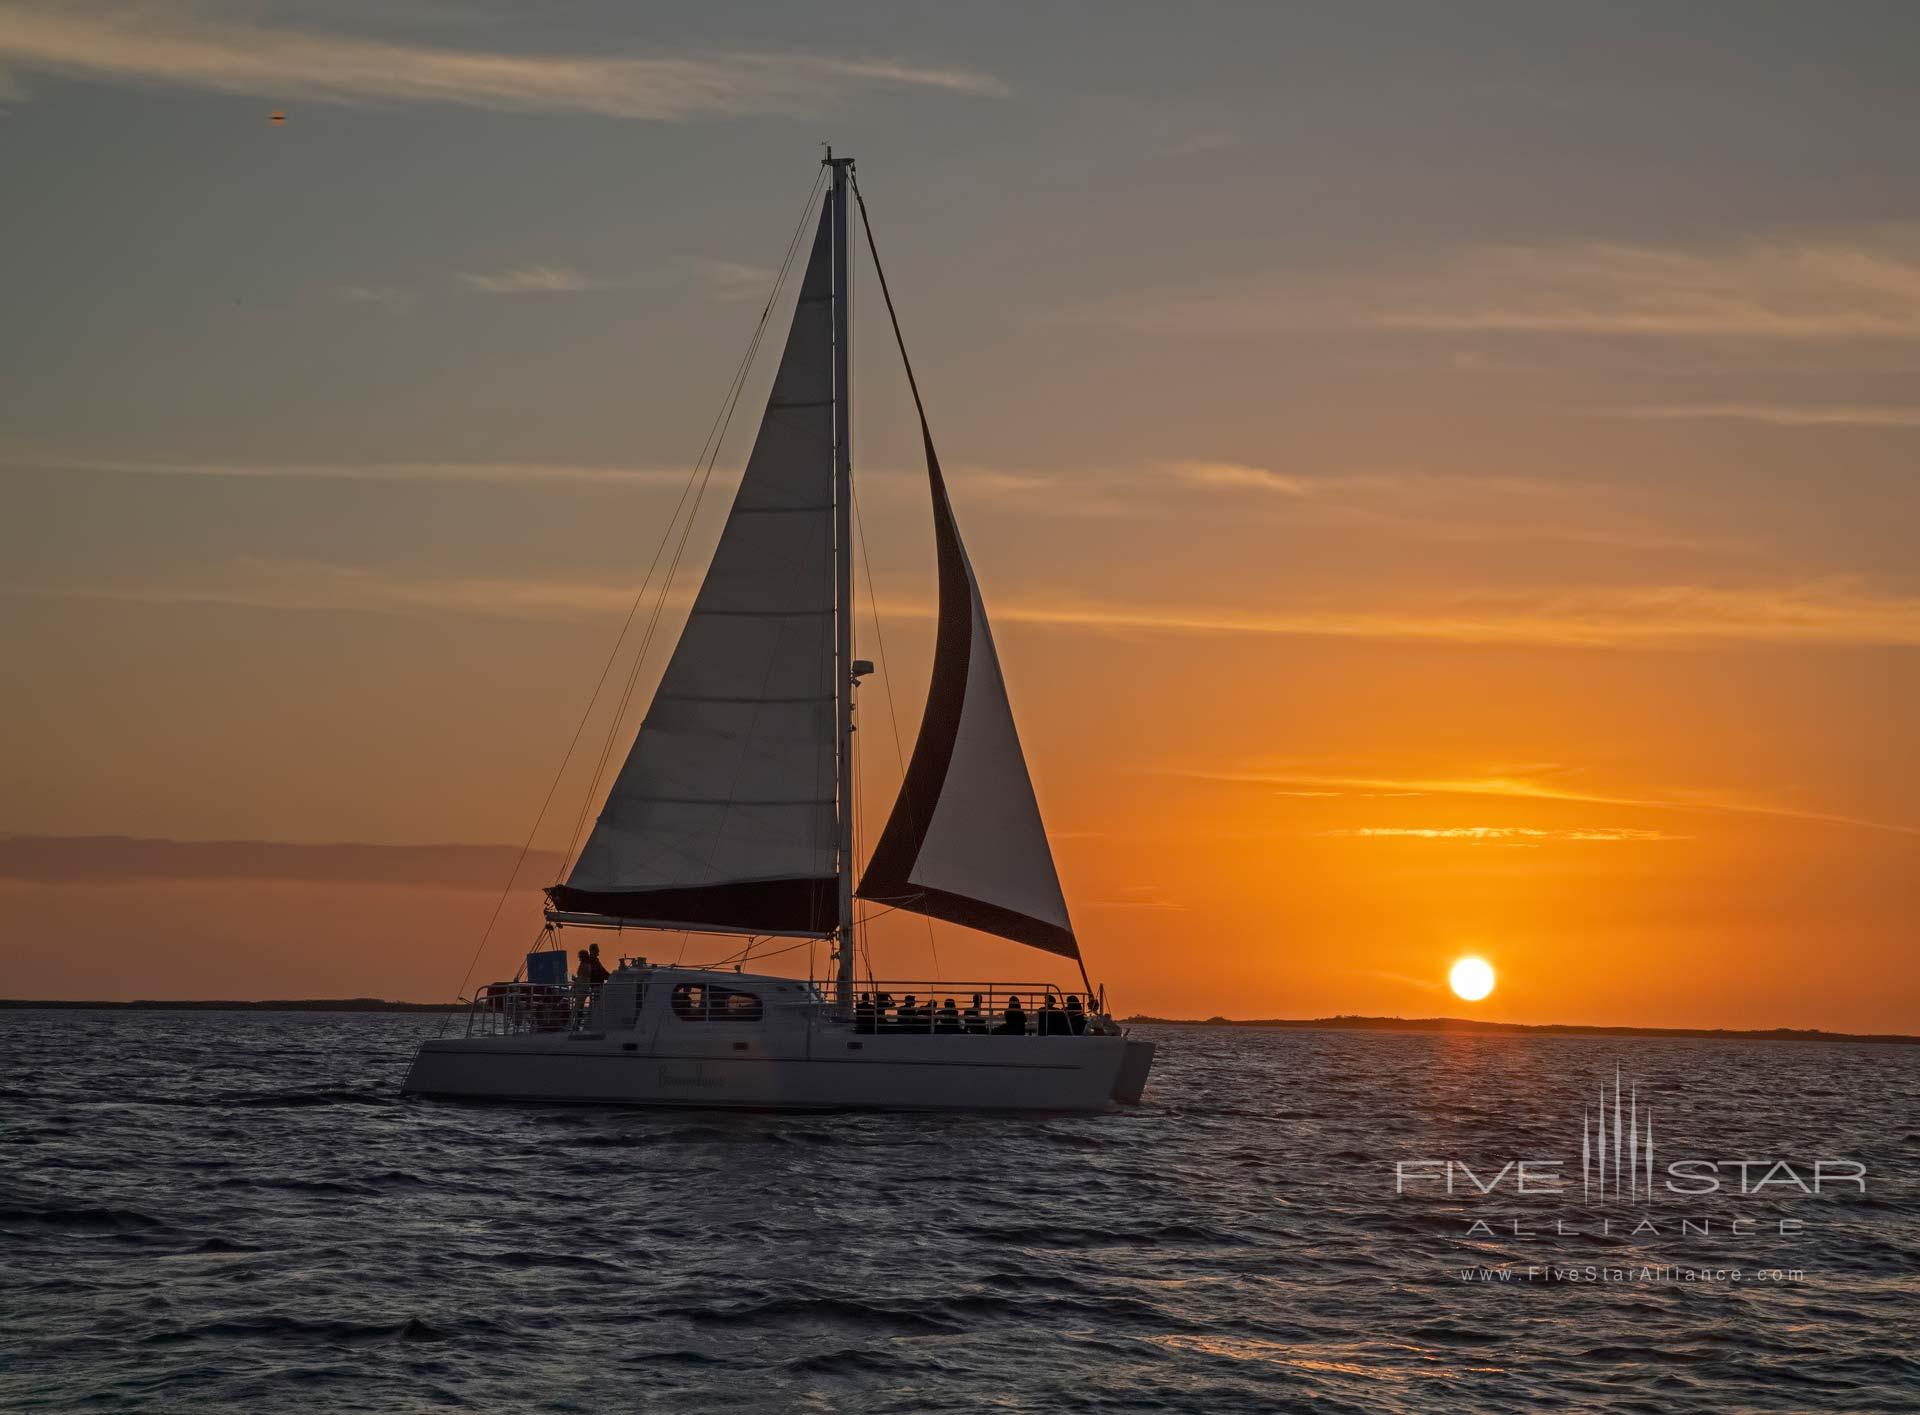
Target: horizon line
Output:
[(1355, 1022)]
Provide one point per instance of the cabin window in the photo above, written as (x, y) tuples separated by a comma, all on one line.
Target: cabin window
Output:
[(708, 1002)]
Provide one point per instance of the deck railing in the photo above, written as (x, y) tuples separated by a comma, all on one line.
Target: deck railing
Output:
[(881, 1007), (938, 1006), (509, 1009)]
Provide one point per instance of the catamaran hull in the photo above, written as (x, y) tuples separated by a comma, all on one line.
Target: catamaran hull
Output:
[(916, 1073)]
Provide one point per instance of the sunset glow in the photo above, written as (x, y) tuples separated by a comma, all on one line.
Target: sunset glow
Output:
[(1384, 547)]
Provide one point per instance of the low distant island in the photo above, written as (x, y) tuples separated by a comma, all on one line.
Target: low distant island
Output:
[(1345, 1023), (305, 1004), (1342, 1023)]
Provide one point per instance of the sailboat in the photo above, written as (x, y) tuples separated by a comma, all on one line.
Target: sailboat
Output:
[(734, 814)]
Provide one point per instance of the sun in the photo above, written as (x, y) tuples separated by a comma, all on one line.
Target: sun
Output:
[(1471, 978)]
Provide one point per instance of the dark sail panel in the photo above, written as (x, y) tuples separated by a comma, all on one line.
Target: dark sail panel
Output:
[(797, 907)]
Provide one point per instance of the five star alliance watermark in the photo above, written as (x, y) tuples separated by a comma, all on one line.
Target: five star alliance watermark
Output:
[(1618, 1166)]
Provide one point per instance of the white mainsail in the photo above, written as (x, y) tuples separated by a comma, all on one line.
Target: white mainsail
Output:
[(723, 815)]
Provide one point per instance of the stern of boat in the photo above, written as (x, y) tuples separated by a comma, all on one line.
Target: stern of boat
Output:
[(1135, 1062)]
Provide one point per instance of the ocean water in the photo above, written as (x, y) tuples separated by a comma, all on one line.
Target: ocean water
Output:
[(236, 1212)]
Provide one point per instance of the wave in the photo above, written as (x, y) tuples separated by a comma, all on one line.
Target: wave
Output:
[(1148, 1235), (817, 1311), (307, 1097), (79, 1217), (321, 1331)]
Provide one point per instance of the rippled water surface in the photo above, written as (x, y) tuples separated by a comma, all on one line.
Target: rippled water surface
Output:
[(232, 1211)]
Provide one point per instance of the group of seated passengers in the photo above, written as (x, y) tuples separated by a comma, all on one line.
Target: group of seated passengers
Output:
[(877, 1013)]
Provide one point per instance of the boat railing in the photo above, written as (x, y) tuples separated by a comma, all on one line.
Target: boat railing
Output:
[(880, 1006), (511, 1009), (997, 1008)]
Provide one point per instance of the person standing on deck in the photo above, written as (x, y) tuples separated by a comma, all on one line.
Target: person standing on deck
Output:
[(582, 984)]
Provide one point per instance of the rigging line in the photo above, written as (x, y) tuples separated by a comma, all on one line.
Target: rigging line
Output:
[(803, 943), (913, 383), (893, 317), (547, 802), (757, 703), (709, 453), (731, 400), (653, 624)]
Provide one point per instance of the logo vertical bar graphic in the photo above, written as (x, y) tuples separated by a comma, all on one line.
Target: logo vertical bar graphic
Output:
[(1617, 1146), (1633, 1142), (1649, 1154), (1586, 1156), (1603, 1142), (1629, 1156)]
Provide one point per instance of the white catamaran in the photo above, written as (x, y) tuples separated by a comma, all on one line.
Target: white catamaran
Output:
[(733, 814)]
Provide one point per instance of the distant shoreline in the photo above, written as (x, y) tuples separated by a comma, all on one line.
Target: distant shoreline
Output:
[(1314, 1024), (1550, 1029), (310, 1004)]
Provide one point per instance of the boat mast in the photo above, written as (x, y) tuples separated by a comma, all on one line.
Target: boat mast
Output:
[(843, 572)]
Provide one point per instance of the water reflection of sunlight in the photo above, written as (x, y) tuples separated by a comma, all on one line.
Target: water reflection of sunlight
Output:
[(1338, 1358)]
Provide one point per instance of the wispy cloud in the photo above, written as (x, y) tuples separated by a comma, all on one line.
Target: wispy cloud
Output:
[(733, 280), (494, 472), (1240, 476), (258, 583), (1861, 284), (162, 45), (1779, 414), (1139, 896), (1456, 506), (1096, 495), (1822, 612), (530, 280), (1832, 613), (1545, 782), (373, 295), (1504, 834), (110, 859)]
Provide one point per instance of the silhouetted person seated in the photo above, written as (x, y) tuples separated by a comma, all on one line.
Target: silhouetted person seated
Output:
[(883, 1012), (1076, 1014), (1053, 1022), (1013, 1021), (973, 1020), (948, 1018), (863, 1014), (908, 1018)]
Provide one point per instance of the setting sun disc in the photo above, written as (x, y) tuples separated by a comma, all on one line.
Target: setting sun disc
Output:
[(1471, 979)]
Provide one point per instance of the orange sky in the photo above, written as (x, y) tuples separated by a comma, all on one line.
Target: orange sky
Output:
[(1441, 497), (1290, 827)]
